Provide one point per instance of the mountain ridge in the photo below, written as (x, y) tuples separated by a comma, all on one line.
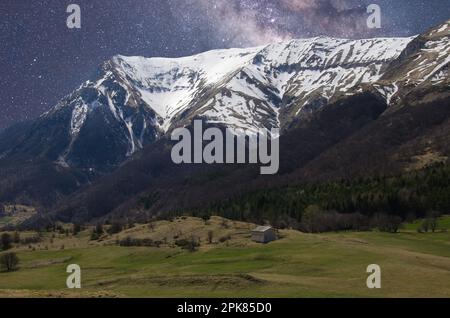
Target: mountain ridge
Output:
[(136, 100), (324, 94)]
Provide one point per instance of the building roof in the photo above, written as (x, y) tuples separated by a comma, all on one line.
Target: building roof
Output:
[(262, 229)]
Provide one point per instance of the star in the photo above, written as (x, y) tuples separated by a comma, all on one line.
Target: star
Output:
[(35, 42)]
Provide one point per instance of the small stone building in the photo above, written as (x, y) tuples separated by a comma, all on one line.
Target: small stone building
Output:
[(264, 234)]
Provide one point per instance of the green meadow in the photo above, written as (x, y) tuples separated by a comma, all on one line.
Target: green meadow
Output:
[(298, 265)]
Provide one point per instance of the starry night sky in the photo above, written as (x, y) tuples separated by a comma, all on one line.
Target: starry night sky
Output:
[(41, 60)]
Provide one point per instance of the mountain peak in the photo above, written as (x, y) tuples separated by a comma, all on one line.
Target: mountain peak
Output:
[(135, 100)]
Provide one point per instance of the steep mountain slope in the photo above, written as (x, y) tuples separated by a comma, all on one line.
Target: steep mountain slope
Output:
[(152, 184), (255, 88), (353, 138), (135, 100), (423, 66), (361, 133), (345, 107)]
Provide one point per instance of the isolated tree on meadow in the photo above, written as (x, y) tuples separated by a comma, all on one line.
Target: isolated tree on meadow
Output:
[(433, 221), (193, 244), (425, 227), (9, 262)]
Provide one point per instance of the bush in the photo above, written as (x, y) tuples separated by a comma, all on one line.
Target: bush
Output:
[(191, 245), (425, 227), (99, 229), (5, 242), (315, 220), (9, 262), (387, 223), (76, 229), (97, 232), (210, 237), (94, 236), (30, 240), (224, 224), (224, 239), (115, 228), (128, 242), (432, 218), (206, 218)]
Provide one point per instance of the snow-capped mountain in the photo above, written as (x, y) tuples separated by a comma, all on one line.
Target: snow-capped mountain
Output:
[(345, 107), (424, 64), (135, 100), (252, 88)]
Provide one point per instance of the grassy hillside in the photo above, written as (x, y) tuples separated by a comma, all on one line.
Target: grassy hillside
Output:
[(443, 224), (16, 214), (297, 265)]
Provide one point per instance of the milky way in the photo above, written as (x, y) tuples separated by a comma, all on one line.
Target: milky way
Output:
[(41, 60)]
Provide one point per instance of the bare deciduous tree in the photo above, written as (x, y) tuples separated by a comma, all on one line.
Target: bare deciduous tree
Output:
[(210, 237), (9, 262)]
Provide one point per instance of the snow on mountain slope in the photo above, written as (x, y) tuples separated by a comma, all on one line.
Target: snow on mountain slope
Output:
[(247, 88), (285, 78), (135, 100), (168, 86), (424, 63)]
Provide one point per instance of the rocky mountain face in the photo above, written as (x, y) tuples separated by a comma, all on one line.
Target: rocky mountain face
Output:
[(332, 98), (135, 100), (423, 66)]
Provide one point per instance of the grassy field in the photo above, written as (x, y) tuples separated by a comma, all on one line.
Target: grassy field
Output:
[(16, 214), (297, 265)]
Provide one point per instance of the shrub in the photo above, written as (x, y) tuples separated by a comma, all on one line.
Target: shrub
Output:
[(76, 229), (128, 242), (315, 220), (94, 236), (432, 218), (425, 227), (16, 238), (30, 240), (224, 239), (5, 241), (191, 245), (97, 232), (224, 224), (210, 237), (115, 228), (206, 218), (99, 229), (387, 223)]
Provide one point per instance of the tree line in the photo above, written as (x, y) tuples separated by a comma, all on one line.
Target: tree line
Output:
[(360, 204)]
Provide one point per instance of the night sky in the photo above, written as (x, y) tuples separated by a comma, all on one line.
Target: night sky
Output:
[(41, 60)]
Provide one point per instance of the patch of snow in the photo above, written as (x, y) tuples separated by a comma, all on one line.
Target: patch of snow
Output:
[(79, 115)]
